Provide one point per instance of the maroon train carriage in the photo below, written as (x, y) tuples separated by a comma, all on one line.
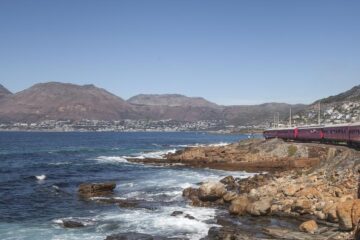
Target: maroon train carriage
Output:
[(336, 133), (347, 133), (286, 133), (354, 134), (268, 134), (310, 133)]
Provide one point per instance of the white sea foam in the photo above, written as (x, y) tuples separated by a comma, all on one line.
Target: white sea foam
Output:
[(111, 159), (219, 144), (155, 154), (160, 222), (41, 177)]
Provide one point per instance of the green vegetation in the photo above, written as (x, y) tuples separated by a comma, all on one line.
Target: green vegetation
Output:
[(292, 149)]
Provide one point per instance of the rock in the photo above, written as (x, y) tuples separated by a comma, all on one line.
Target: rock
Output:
[(309, 193), (176, 213), (190, 192), (229, 180), (320, 205), (258, 208), (254, 194), (309, 226), (346, 198), (302, 206), (229, 196), (136, 236), (357, 232), (355, 212), (238, 206), (189, 216), (72, 224), (320, 215), (343, 212), (96, 189), (290, 190), (228, 233), (284, 233), (211, 191), (127, 203), (330, 212)]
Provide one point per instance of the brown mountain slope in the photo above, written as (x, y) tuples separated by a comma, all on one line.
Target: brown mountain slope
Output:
[(351, 95), (64, 101), (180, 113), (259, 114), (4, 92), (171, 100)]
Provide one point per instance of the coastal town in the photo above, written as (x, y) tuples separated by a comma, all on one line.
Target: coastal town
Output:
[(127, 125)]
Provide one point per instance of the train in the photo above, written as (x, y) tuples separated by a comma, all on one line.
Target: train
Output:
[(336, 134)]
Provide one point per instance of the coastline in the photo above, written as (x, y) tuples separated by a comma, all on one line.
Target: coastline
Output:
[(311, 184)]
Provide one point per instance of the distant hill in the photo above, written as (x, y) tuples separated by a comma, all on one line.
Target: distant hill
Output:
[(351, 95), (4, 92), (62, 101), (259, 114), (171, 100), (341, 108)]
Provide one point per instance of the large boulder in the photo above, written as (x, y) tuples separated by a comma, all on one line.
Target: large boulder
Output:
[(238, 205), (96, 189), (330, 212), (259, 208), (343, 212), (211, 191), (309, 226), (302, 206), (355, 212), (229, 182), (230, 196)]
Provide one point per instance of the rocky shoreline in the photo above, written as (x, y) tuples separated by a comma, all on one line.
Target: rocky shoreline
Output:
[(309, 191), (313, 185)]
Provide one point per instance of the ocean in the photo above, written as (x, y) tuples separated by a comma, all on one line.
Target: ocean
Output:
[(40, 173)]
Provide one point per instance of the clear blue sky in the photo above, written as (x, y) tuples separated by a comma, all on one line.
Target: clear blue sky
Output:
[(230, 52)]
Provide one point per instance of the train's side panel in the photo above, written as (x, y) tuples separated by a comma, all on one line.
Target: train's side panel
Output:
[(285, 134), (354, 134), (312, 134), (270, 134), (340, 134)]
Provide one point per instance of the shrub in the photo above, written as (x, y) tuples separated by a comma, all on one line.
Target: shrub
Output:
[(292, 150)]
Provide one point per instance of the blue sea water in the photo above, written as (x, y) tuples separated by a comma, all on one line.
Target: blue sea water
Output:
[(40, 173)]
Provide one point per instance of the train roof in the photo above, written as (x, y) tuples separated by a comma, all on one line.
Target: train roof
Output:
[(272, 129), (317, 126), (343, 125)]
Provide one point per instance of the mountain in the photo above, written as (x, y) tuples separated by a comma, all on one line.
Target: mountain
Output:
[(351, 95), (341, 108), (62, 101), (179, 113), (175, 106), (171, 100), (259, 114), (4, 92)]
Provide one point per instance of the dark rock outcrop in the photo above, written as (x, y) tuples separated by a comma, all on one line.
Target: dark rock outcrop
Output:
[(138, 236), (72, 224), (88, 190)]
